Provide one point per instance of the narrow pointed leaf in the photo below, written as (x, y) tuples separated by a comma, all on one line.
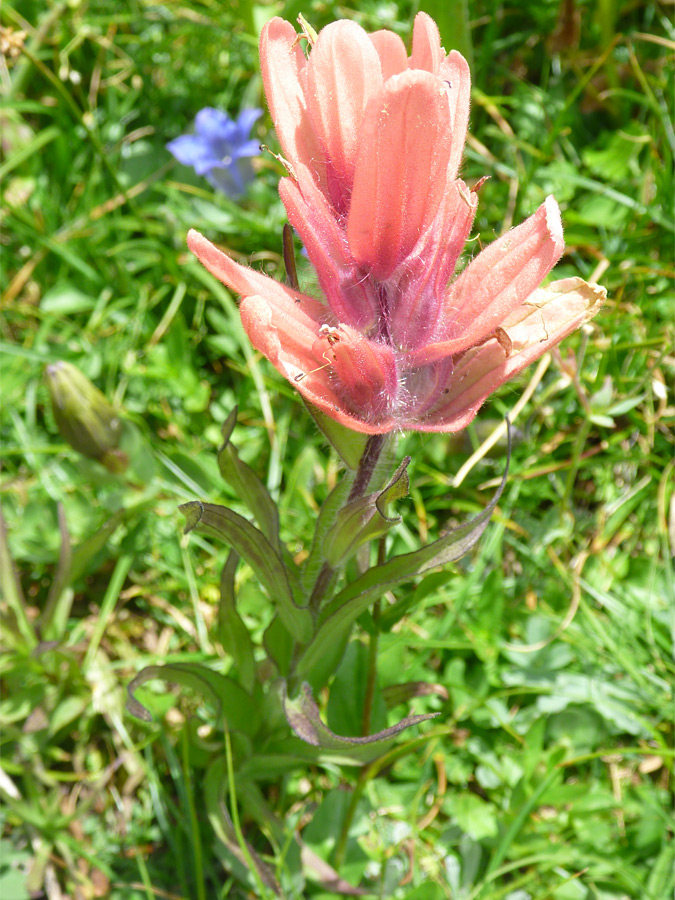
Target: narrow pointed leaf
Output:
[(234, 636), (10, 588), (54, 617), (247, 485), (327, 514), (365, 519), (230, 700), (84, 552), (305, 719), (215, 793), (252, 545)]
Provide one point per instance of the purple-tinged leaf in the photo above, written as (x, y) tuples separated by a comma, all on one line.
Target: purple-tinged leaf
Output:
[(247, 485), (338, 615), (305, 719), (231, 701), (364, 519), (252, 545)]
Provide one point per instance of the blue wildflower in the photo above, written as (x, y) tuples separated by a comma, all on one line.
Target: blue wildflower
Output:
[(220, 149)]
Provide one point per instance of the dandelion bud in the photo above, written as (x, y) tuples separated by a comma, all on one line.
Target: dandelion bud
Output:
[(84, 417)]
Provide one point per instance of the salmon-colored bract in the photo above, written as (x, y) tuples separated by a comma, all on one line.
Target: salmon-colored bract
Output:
[(373, 141)]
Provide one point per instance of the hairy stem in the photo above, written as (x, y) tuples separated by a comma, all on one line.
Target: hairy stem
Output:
[(362, 478), (364, 473)]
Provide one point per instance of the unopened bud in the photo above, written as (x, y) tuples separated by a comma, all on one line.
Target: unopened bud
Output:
[(84, 417)]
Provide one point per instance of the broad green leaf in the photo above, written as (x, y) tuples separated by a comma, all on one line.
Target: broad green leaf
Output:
[(232, 631), (239, 709), (253, 546), (474, 816), (354, 599), (346, 700), (327, 514), (305, 719), (247, 485)]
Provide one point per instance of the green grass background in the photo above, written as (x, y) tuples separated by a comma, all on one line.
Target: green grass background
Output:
[(550, 649)]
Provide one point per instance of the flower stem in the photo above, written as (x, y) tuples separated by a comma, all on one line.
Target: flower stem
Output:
[(364, 473), (320, 586), (367, 464)]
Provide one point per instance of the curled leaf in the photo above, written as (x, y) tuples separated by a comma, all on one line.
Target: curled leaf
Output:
[(247, 485), (304, 718), (240, 710), (365, 519), (252, 545)]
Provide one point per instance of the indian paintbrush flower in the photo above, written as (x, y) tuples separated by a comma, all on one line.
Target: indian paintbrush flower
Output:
[(373, 141), (220, 149), (84, 417)]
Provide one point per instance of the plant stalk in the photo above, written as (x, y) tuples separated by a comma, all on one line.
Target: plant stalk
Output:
[(364, 473)]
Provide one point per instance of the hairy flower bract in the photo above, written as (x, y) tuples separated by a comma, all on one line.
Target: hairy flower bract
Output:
[(373, 140)]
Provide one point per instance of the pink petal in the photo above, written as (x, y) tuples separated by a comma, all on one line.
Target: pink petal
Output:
[(283, 66), (246, 281), (391, 50), (420, 282), (343, 73), (292, 345), (498, 280), (427, 52), (365, 370), (349, 296), (543, 320), (455, 71), (400, 170)]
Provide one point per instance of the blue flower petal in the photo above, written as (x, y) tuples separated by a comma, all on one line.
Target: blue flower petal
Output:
[(212, 125), (250, 148), (220, 149), (190, 150), (246, 120)]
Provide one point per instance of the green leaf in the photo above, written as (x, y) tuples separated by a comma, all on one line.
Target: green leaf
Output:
[(60, 598), (247, 485), (344, 710), (474, 816), (239, 709), (279, 645), (329, 510), (354, 599), (215, 797), (305, 719), (365, 519), (85, 551), (348, 444), (232, 631), (253, 546), (10, 588)]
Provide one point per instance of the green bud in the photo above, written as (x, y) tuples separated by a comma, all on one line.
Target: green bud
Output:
[(84, 417)]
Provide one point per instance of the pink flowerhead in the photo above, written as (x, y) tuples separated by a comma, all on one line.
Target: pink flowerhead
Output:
[(373, 140)]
